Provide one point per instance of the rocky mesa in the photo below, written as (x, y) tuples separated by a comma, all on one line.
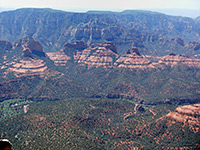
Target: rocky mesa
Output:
[(27, 57), (105, 55), (187, 114), (24, 57), (30, 46)]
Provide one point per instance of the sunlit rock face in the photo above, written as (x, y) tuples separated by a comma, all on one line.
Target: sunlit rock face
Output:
[(187, 114), (59, 58), (102, 55), (30, 66), (174, 60), (24, 57), (106, 55)]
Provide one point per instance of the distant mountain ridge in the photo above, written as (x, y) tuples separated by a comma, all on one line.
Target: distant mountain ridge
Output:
[(146, 56), (99, 80), (53, 28)]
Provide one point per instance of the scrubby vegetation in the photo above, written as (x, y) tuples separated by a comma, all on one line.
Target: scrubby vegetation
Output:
[(99, 96), (11, 108), (81, 123), (176, 85)]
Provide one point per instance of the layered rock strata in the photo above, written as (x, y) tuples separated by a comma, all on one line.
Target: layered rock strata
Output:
[(96, 57), (187, 114), (133, 61), (30, 66), (174, 60), (59, 58), (105, 55)]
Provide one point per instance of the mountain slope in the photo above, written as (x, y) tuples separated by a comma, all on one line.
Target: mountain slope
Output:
[(79, 70), (116, 82), (81, 123), (53, 28)]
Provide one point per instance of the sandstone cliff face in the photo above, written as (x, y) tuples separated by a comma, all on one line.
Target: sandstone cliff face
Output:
[(30, 46), (97, 28), (13, 62), (133, 61), (102, 55), (27, 52), (174, 60), (126, 28), (71, 48), (105, 55), (187, 114), (59, 58), (78, 45), (109, 45), (28, 67)]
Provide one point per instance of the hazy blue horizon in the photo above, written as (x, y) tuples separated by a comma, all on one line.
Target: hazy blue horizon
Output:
[(178, 7), (168, 11)]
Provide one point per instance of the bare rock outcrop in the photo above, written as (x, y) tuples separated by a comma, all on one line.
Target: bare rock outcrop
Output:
[(78, 45), (71, 48), (105, 55), (30, 46), (174, 60), (59, 58), (133, 59), (27, 52), (187, 114), (30, 66), (109, 45), (135, 50), (100, 55)]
